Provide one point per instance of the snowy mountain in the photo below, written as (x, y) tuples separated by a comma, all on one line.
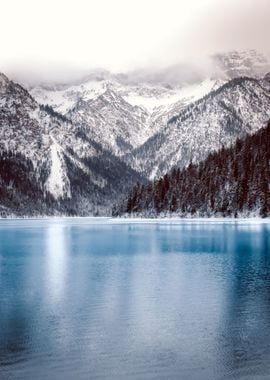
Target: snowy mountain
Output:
[(121, 117), (111, 121), (87, 141), (230, 182), (235, 109), (236, 64), (123, 111), (73, 173), (156, 87)]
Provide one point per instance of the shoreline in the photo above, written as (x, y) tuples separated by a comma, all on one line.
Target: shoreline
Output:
[(137, 220)]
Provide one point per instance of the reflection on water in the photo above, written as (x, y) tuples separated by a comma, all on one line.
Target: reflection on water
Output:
[(56, 256), (134, 301)]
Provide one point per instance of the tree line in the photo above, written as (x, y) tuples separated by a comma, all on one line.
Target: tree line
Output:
[(231, 182)]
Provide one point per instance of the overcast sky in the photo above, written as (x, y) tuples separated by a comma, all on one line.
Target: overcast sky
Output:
[(50, 39)]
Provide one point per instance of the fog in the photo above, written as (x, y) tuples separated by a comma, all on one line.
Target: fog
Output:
[(61, 40)]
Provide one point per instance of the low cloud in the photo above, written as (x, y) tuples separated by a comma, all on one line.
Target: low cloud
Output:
[(63, 41)]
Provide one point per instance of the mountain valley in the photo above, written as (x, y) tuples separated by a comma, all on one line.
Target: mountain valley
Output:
[(79, 146)]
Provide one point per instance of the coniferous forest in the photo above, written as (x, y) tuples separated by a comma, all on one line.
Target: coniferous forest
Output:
[(231, 182)]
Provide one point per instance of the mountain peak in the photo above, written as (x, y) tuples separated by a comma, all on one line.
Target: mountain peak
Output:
[(110, 94), (241, 63), (3, 78), (267, 77)]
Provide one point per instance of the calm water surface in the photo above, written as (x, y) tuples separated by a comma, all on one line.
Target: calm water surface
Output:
[(84, 300)]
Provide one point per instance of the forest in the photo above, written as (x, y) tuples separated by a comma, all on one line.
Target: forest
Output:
[(232, 182)]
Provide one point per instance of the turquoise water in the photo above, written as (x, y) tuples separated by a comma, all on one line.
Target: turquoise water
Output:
[(84, 300)]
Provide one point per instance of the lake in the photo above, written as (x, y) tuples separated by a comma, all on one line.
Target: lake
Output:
[(102, 299)]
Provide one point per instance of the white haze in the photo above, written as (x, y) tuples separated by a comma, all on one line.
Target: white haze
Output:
[(56, 40)]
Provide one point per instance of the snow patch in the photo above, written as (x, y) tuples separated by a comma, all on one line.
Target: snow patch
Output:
[(65, 99), (189, 93), (58, 183)]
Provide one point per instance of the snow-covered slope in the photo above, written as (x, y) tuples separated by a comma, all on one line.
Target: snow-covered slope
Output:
[(63, 98), (66, 164), (236, 64), (87, 141), (232, 182), (121, 116), (225, 114), (58, 182), (121, 112), (111, 121)]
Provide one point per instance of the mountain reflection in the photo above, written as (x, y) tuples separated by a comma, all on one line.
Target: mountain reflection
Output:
[(182, 301), (245, 328), (57, 238)]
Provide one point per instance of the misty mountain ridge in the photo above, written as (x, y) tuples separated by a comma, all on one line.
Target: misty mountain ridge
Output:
[(153, 104), (227, 64)]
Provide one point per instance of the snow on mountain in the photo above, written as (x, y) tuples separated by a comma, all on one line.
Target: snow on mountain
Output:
[(111, 121), (66, 164), (63, 98), (122, 114), (121, 117), (231, 111), (168, 97), (58, 183), (230, 182), (87, 140), (236, 64)]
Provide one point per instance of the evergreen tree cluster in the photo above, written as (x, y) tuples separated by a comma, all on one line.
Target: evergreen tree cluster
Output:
[(19, 189), (23, 189), (231, 182)]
